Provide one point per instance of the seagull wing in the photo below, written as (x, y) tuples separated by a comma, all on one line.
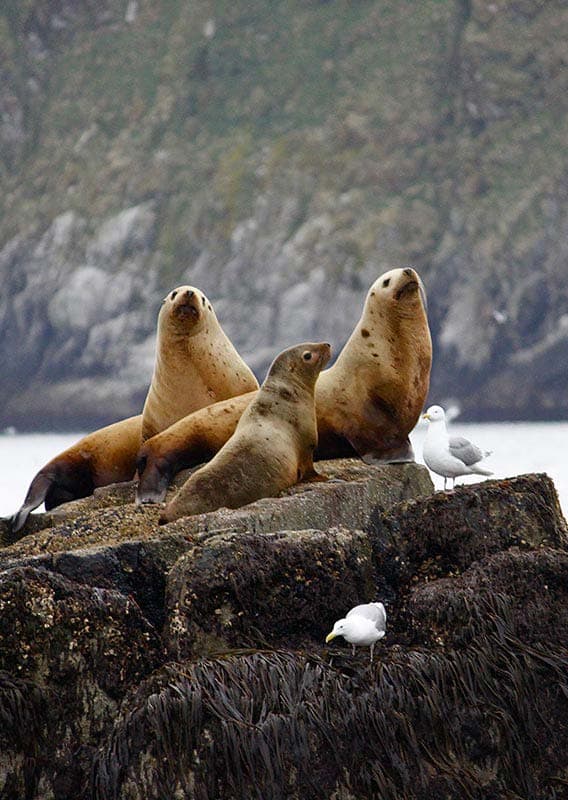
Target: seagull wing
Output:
[(373, 611), (465, 451)]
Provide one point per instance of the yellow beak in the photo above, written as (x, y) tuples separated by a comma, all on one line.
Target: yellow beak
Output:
[(330, 636), (425, 416)]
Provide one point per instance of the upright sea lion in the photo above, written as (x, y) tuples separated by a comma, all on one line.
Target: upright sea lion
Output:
[(366, 403), (195, 365), (273, 444)]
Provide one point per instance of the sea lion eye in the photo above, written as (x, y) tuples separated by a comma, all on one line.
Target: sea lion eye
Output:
[(306, 355), (386, 282), (173, 295)]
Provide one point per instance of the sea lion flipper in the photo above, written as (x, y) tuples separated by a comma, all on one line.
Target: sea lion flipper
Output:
[(36, 495), (402, 454), (311, 476), (153, 483)]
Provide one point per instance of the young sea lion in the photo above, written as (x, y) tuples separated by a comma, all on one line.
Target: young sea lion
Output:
[(273, 444), (195, 365), (366, 403)]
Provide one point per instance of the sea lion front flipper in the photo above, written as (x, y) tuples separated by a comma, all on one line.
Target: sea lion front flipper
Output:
[(311, 476), (153, 480)]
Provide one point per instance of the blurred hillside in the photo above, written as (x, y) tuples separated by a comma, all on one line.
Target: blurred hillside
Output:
[(280, 156)]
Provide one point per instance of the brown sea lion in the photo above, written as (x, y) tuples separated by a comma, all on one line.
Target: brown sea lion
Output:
[(196, 363), (273, 444), (105, 456), (366, 403)]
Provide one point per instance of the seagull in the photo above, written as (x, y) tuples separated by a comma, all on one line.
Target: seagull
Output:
[(450, 456), (363, 625)]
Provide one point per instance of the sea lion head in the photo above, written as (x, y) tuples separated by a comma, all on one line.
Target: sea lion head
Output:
[(400, 291), (302, 363), (185, 310)]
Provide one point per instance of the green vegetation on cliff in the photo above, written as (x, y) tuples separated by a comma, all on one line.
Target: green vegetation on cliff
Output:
[(348, 136)]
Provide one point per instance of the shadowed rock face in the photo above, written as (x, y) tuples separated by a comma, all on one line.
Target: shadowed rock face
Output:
[(68, 654), (188, 660)]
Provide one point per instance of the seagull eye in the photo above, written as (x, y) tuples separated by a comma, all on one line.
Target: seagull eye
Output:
[(307, 356), (386, 282)]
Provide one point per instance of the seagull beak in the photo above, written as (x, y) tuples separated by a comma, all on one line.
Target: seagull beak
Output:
[(330, 636), (426, 416)]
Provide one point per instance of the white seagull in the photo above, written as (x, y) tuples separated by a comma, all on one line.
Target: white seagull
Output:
[(450, 456), (363, 625)]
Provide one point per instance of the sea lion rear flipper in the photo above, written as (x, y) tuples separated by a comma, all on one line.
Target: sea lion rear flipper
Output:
[(402, 454), (36, 495), (377, 454)]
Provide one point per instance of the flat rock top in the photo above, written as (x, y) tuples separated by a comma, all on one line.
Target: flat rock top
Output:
[(110, 516)]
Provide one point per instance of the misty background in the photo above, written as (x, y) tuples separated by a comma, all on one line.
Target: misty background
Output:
[(280, 156)]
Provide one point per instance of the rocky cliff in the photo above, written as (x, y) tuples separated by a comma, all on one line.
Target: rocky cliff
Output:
[(188, 660), (280, 157)]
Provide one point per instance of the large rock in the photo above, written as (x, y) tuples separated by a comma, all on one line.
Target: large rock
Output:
[(189, 660)]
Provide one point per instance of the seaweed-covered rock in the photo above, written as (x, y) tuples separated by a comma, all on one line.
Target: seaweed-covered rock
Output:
[(25, 720), (529, 589), (283, 725), (444, 533), (68, 654)]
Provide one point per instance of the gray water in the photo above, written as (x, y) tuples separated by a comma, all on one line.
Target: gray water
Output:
[(517, 447)]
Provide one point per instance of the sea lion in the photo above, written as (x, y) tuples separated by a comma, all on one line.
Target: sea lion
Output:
[(273, 444), (366, 403), (106, 456), (196, 363)]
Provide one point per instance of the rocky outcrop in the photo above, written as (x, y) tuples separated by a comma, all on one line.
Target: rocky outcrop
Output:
[(188, 660), (281, 178)]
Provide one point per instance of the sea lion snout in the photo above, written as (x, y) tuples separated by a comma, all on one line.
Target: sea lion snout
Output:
[(187, 305)]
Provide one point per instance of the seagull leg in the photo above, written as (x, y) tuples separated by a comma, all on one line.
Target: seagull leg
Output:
[(353, 650), (372, 648), (445, 482)]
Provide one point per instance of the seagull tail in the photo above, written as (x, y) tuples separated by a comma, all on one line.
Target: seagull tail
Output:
[(480, 470)]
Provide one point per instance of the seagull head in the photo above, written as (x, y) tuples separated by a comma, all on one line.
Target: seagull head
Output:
[(340, 628), (435, 414)]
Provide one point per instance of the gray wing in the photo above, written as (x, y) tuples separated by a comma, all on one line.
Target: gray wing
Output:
[(463, 449), (374, 611)]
